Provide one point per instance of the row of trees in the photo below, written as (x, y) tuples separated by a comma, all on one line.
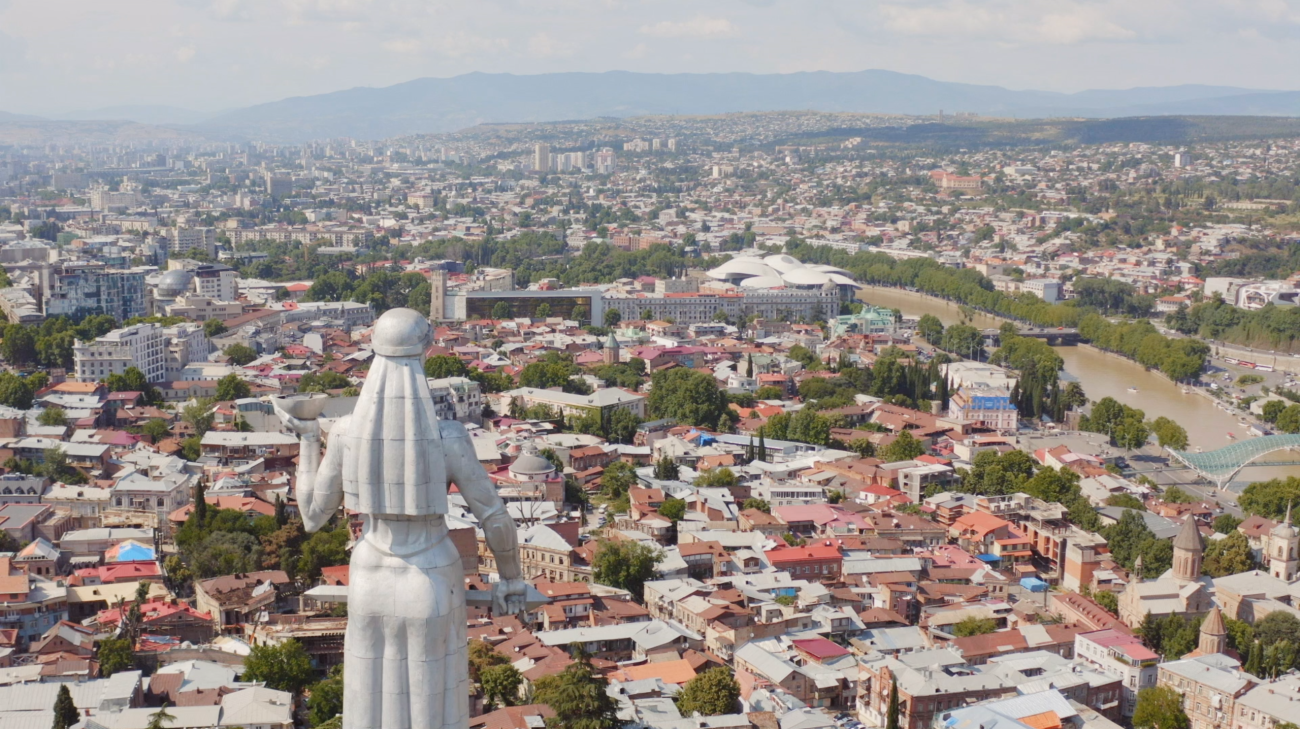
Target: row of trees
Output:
[(1271, 327), (1179, 359)]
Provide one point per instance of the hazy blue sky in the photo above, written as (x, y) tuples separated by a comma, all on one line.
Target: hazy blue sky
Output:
[(63, 55)]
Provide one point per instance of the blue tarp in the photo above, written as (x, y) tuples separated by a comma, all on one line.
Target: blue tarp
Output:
[(990, 558), (1033, 584)]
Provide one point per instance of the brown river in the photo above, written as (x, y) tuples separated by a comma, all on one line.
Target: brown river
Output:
[(1103, 375)]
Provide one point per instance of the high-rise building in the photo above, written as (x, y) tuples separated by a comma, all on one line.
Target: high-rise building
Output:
[(80, 288), (542, 158), (606, 163), (182, 240), (1182, 159), (438, 296), (278, 185)]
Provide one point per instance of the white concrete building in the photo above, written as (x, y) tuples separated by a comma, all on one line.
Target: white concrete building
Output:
[(143, 346)]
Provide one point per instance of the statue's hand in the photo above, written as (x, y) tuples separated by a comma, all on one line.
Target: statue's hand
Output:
[(298, 425), (508, 597)]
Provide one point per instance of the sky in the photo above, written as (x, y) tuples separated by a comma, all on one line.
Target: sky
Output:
[(68, 55)]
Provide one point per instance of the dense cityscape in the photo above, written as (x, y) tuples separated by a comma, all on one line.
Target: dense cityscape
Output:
[(802, 423)]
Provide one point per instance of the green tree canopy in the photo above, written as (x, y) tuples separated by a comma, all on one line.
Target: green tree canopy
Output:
[(690, 397), (240, 354), (711, 693), (578, 697), (232, 387), (1160, 707), (625, 565), (283, 667)]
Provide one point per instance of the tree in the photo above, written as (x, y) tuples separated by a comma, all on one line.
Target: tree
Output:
[(65, 711), (19, 346), (1108, 600), (1266, 498), (673, 510), (542, 311), (722, 477), (1272, 409), (974, 626), (483, 656), (1170, 434), (617, 478), (666, 469), (1228, 556), (160, 719), (444, 365), (891, 715), (214, 328), (232, 387), (930, 329), (1276, 627), (625, 565), (501, 310), (15, 392), (114, 654), (501, 683), (903, 448), (756, 503), (690, 397), (580, 313), (1226, 523), (1160, 707), (578, 697), (53, 417), (612, 318), (283, 667), (711, 693), (157, 429), (240, 354), (326, 699)]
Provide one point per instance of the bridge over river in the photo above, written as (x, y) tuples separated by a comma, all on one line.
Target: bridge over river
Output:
[(1222, 464)]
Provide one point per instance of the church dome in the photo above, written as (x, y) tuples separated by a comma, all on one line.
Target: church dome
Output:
[(531, 464)]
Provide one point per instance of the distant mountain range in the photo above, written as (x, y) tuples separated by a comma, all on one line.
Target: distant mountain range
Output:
[(431, 105)]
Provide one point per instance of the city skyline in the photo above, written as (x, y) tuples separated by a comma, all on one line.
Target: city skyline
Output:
[(213, 55)]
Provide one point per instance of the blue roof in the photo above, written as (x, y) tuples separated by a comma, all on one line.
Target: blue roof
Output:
[(989, 558), (1033, 584)]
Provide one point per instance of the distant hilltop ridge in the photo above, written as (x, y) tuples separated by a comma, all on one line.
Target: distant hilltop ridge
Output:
[(430, 105)]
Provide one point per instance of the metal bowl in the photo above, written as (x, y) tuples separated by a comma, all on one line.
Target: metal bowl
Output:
[(305, 406)]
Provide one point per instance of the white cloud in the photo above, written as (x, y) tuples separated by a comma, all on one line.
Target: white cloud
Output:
[(544, 45), (1059, 22), (402, 45), (185, 53), (699, 27)]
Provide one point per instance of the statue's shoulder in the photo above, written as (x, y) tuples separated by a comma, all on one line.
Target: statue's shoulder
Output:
[(452, 429)]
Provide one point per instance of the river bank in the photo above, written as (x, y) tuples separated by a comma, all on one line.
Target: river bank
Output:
[(1102, 374)]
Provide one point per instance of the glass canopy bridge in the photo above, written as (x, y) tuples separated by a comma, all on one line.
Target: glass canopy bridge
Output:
[(1221, 465)]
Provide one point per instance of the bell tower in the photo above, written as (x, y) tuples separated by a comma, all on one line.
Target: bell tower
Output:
[(1188, 551), (1283, 543)]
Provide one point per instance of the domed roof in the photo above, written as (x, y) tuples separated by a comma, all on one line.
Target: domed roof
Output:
[(742, 267), (531, 464), (783, 263), (173, 283), (772, 281), (805, 277), (828, 269), (844, 280)]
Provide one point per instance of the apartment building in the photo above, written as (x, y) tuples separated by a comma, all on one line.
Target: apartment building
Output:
[(77, 289), (1210, 686), (143, 346), (184, 240)]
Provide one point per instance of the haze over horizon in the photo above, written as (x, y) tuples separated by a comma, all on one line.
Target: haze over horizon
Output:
[(214, 55)]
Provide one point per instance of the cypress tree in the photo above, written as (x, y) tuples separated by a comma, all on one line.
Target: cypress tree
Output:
[(891, 719), (1255, 660), (200, 505), (65, 712)]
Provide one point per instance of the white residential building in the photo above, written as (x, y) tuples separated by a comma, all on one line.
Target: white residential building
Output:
[(143, 346)]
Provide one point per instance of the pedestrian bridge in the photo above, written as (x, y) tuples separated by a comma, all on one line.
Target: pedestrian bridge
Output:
[(1221, 465)]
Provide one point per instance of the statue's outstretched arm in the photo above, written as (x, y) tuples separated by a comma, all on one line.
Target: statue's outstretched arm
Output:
[(480, 494), (319, 488)]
